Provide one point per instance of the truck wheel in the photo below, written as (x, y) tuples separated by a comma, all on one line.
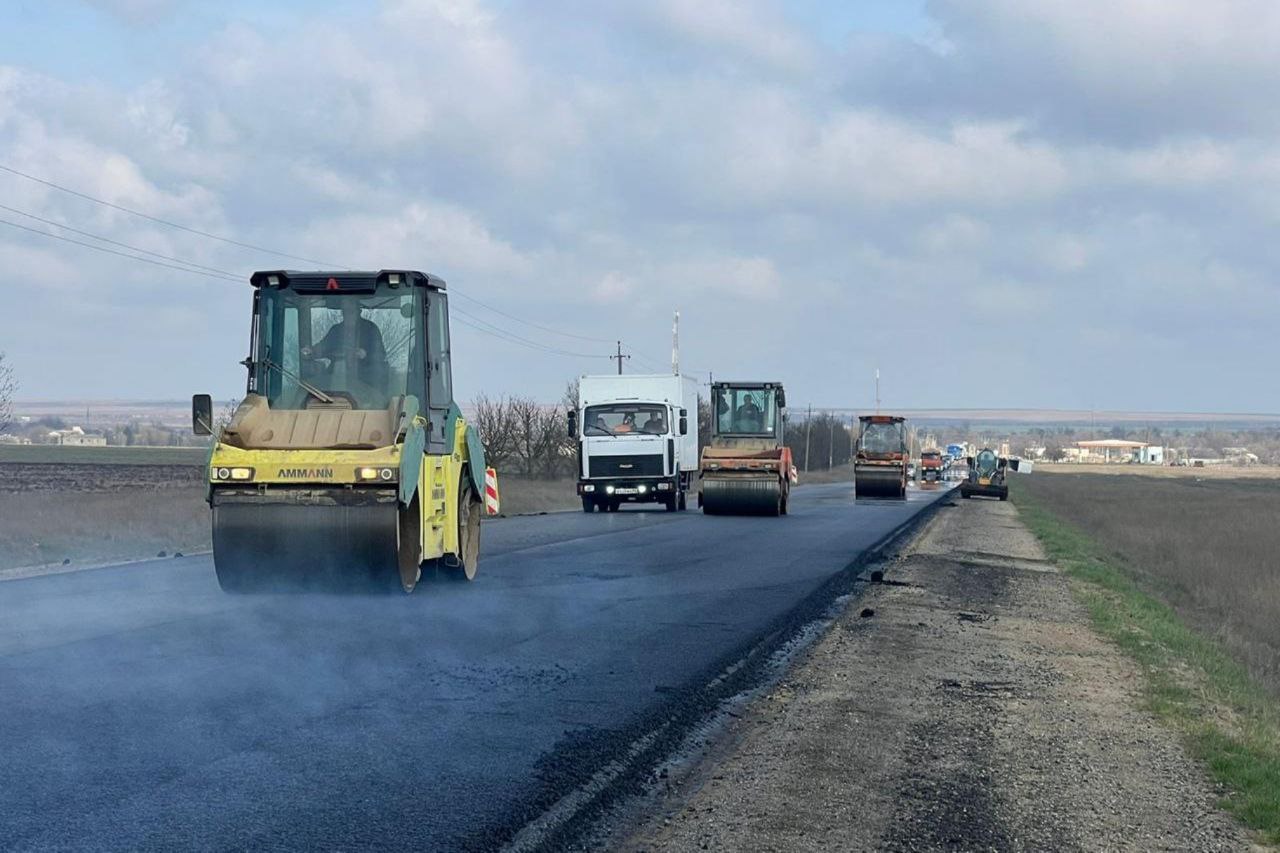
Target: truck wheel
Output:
[(683, 501), (588, 504), (671, 502)]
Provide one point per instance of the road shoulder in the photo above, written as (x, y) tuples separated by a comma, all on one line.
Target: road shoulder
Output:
[(964, 704)]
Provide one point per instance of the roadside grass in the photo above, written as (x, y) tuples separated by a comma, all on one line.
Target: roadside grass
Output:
[(1229, 719), (46, 528), (52, 454), (524, 495)]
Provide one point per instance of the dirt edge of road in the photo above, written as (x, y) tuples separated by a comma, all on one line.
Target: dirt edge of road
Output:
[(586, 809), (964, 703)]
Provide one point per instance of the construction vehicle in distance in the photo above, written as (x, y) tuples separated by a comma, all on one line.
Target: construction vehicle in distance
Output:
[(880, 462), (931, 465), (986, 477), (746, 469), (348, 464)]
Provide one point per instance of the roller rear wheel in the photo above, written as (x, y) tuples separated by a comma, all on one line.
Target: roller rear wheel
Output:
[(463, 566)]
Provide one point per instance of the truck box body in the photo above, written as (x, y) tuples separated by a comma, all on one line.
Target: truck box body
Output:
[(630, 447)]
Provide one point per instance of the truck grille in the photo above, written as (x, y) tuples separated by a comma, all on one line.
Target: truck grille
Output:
[(648, 465)]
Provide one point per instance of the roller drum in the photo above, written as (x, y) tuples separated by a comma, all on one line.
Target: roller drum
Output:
[(276, 546), (742, 495), (878, 482)]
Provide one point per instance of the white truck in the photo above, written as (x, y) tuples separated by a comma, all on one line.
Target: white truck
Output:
[(637, 440)]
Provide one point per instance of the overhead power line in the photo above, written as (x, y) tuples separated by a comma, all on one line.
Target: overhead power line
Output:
[(182, 265), (485, 326), (531, 323), (159, 221), (97, 248), (92, 236)]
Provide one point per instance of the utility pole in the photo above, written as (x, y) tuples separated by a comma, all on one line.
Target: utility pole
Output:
[(831, 445), (675, 345), (877, 390), (808, 428), (619, 357)]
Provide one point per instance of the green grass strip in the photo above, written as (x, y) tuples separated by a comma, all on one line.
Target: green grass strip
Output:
[(1228, 720)]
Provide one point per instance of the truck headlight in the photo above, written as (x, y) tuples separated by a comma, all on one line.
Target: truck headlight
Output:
[(643, 489), (609, 489), (662, 487), (384, 474), (588, 488)]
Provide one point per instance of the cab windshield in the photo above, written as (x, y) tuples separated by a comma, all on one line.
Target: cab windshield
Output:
[(626, 419), (745, 411), (352, 350), (882, 438)]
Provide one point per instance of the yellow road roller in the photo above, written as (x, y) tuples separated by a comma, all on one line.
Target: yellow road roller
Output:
[(348, 465)]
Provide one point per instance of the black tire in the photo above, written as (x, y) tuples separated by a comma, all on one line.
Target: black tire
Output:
[(683, 501), (613, 506), (462, 567), (671, 502), (588, 504), (786, 499)]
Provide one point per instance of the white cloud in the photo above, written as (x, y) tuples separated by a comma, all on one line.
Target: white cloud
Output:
[(595, 167)]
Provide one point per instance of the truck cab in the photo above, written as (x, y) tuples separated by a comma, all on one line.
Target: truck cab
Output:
[(637, 441)]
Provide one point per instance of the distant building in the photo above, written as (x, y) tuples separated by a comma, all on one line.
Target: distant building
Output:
[(76, 437), (5, 438), (1116, 450)]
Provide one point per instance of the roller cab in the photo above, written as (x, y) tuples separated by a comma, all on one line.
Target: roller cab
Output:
[(746, 469), (880, 461), (347, 465)]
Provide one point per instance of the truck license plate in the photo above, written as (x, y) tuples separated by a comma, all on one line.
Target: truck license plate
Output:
[(626, 491)]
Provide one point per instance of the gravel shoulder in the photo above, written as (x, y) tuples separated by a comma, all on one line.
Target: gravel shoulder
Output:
[(973, 709)]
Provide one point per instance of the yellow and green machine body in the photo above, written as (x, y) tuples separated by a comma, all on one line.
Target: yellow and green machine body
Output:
[(348, 464)]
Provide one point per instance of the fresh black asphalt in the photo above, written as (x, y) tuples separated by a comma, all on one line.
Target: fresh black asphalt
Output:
[(142, 709)]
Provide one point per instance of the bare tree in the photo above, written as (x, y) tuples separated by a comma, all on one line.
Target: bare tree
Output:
[(224, 417), (529, 437), (8, 388), (495, 422)]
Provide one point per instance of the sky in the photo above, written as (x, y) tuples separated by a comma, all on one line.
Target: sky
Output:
[(1061, 204)]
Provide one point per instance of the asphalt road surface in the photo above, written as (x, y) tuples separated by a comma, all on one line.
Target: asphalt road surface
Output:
[(141, 708)]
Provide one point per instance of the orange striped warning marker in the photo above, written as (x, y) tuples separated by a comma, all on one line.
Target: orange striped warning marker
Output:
[(492, 504)]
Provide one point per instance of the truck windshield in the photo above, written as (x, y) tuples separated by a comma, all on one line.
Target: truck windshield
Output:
[(745, 411), (625, 419), (882, 438), (358, 349)]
